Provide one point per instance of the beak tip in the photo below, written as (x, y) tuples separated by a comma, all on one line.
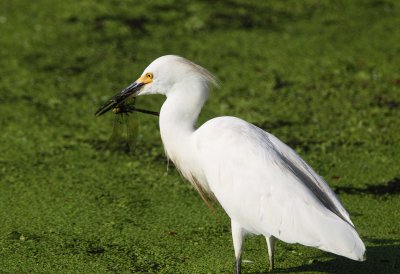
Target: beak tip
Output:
[(106, 107)]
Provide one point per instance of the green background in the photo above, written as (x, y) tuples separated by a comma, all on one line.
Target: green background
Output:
[(323, 76)]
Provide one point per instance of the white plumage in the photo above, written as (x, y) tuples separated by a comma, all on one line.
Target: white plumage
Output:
[(262, 184)]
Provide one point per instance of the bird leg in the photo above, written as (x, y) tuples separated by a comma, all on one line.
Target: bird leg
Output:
[(237, 236), (271, 248), (238, 269)]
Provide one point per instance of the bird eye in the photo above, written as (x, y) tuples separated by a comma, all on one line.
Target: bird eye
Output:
[(149, 75)]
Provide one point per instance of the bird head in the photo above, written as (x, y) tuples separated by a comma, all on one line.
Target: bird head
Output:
[(159, 78)]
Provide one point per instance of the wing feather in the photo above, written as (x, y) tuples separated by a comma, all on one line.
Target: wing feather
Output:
[(291, 162)]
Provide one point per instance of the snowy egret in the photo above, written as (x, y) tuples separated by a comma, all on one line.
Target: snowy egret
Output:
[(264, 186)]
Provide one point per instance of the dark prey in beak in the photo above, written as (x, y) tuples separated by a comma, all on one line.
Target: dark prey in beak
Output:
[(118, 99)]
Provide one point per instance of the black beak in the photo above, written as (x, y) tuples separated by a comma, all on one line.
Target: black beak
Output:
[(119, 98)]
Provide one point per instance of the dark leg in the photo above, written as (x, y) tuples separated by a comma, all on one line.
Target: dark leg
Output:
[(238, 269), (237, 237)]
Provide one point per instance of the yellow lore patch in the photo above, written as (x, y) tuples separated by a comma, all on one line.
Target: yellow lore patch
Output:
[(146, 79)]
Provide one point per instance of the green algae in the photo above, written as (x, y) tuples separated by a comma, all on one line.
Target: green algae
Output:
[(323, 76)]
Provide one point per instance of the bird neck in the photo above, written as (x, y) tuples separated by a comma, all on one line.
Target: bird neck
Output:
[(178, 117), (182, 107), (179, 114)]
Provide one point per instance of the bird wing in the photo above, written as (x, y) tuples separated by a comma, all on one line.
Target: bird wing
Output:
[(262, 182), (290, 161)]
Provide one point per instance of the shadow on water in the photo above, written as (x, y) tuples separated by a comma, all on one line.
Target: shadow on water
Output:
[(391, 187), (384, 258)]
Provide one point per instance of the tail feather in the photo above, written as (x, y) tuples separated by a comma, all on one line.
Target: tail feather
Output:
[(340, 238)]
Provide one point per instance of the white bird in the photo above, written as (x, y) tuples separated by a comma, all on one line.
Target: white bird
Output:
[(264, 186)]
